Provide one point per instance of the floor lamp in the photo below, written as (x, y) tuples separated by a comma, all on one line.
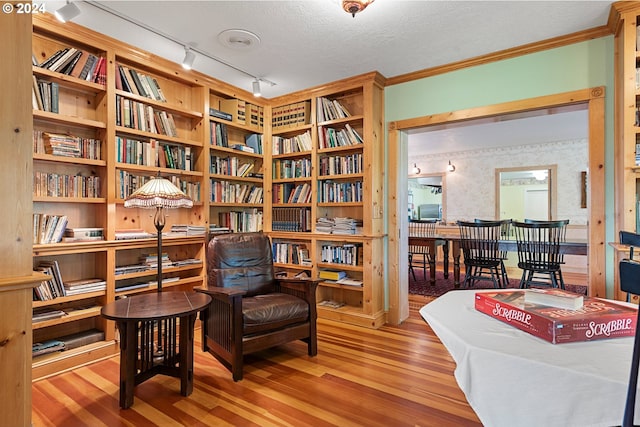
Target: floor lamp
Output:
[(158, 194)]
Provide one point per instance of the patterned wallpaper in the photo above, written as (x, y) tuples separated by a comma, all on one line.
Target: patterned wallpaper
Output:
[(470, 190)]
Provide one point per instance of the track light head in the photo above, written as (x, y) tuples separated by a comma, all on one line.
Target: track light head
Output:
[(256, 88), (67, 12), (416, 169), (450, 167), (189, 58)]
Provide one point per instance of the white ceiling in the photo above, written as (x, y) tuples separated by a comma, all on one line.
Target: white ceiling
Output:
[(542, 126), (313, 42)]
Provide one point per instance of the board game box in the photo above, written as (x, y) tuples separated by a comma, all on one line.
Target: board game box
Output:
[(597, 319)]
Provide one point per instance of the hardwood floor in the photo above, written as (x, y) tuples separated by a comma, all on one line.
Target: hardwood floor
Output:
[(393, 376)]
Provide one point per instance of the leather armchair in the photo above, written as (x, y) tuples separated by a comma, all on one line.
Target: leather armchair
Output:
[(251, 309)]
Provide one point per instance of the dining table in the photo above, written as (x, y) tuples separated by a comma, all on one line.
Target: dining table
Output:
[(574, 247)]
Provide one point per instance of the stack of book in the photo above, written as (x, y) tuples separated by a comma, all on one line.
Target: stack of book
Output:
[(83, 234), (332, 274), (187, 230), (46, 313), (83, 286), (324, 225), (151, 260), (133, 234), (46, 347)]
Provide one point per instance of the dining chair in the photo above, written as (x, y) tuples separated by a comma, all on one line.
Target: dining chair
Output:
[(630, 282), (539, 253), (424, 228), (505, 232), (479, 243), (633, 240)]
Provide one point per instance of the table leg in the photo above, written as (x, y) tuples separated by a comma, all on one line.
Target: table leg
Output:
[(445, 255), (455, 248), (186, 354), (128, 357), (432, 261)]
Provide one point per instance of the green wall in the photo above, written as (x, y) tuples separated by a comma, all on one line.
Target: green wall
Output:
[(574, 67)]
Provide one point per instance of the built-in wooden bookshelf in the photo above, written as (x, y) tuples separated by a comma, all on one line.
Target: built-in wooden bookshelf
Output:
[(344, 123), (625, 21)]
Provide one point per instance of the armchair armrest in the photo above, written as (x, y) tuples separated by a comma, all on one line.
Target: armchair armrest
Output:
[(302, 288)]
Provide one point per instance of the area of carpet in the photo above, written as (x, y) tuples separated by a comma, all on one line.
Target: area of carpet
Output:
[(420, 286)]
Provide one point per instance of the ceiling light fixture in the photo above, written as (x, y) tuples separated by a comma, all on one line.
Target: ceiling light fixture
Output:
[(189, 58), (256, 88), (355, 6), (450, 167), (67, 12), (416, 169)]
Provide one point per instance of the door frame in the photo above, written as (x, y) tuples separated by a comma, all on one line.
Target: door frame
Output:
[(594, 98)]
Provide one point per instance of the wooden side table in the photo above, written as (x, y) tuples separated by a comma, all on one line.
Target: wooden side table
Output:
[(156, 337)]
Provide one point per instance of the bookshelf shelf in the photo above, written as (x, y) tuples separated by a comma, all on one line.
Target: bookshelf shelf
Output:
[(155, 169), (336, 266), (236, 178), (169, 108), (343, 287), (351, 119), (69, 81), (51, 199), (72, 160), (72, 316), (158, 136), (62, 300), (72, 121)]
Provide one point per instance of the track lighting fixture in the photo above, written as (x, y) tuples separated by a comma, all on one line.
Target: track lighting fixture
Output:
[(256, 88), (416, 169), (67, 12), (189, 57), (451, 167)]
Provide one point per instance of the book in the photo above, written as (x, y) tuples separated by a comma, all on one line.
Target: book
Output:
[(597, 319), (554, 298), (220, 114), (331, 274)]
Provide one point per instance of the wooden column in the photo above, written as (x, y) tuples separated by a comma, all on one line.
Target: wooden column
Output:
[(16, 270)]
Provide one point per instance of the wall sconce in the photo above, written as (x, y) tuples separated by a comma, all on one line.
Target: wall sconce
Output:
[(415, 170), (189, 58), (450, 167), (67, 12)]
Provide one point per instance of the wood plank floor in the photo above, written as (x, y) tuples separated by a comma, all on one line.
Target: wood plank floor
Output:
[(394, 376)]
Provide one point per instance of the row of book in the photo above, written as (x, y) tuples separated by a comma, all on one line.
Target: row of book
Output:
[(291, 168), (48, 228), (153, 153), (291, 193), (136, 115), (61, 185), (239, 111), (330, 137), (45, 96), (219, 135), (241, 221), (232, 166), (348, 253), (296, 114), (76, 63), (291, 219), (291, 253), (132, 81), (340, 192), (339, 165), (57, 287), (66, 145), (232, 192), (127, 183), (295, 144), (328, 109)]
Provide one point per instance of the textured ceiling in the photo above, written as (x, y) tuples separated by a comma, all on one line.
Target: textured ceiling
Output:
[(312, 42)]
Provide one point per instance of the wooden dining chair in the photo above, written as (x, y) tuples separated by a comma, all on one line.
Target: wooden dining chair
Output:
[(479, 243), (505, 232), (633, 240), (630, 282), (420, 228), (539, 254)]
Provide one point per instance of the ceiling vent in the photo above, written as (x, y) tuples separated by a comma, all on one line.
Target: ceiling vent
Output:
[(239, 39)]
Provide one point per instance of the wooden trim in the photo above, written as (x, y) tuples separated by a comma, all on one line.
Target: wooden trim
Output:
[(526, 49), (593, 97)]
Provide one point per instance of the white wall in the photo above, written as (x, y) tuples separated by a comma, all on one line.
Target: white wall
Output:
[(470, 189)]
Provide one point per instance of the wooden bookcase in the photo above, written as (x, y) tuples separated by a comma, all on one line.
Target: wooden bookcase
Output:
[(346, 182), (150, 118), (625, 20)]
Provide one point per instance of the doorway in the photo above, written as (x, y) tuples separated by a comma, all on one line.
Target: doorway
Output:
[(397, 159)]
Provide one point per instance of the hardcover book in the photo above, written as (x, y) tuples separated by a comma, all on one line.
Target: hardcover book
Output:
[(597, 319)]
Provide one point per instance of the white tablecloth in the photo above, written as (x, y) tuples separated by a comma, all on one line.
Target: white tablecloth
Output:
[(514, 379)]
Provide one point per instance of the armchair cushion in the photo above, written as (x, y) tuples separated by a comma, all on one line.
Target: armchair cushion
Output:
[(272, 311)]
